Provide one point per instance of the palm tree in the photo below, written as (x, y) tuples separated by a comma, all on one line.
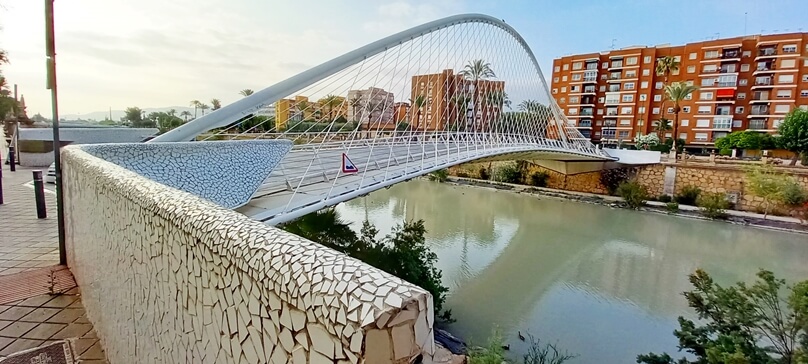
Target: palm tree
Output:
[(216, 104), (3, 56), (529, 105), (475, 71), (370, 107), (185, 114), (246, 92), (301, 107), (665, 66), (195, 104), (676, 92), (203, 107), (172, 112), (330, 101), (355, 102), (418, 104), (461, 107), (661, 126)]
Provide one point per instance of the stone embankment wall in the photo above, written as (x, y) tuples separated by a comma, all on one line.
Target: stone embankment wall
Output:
[(168, 277), (723, 178)]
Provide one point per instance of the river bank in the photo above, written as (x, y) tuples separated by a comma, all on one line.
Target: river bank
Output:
[(778, 223)]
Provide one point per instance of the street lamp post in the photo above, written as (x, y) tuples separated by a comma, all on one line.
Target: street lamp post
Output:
[(50, 52)]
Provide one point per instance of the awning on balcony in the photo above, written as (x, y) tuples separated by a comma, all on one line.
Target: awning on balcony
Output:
[(725, 92)]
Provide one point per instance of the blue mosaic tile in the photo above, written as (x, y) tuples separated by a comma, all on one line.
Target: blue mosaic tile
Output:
[(224, 172)]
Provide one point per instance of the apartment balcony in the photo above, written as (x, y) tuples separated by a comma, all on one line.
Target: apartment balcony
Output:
[(585, 124), (616, 65), (760, 100), (589, 91), (766, 52), (611, 114), (722, 125), (582, 114), (731, 54), (590, 80), (763, 82), (765, 69), (723, 112), (609, 124), (591, 67), (757, 124), (760, 111)]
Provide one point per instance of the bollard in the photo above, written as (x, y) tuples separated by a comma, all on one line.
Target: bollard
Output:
[(39, 193), (12, 159)]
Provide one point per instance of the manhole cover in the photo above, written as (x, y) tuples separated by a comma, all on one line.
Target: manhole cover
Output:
[(55, 353)]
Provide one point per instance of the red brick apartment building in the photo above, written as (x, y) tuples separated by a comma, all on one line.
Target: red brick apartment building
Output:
[(745, 83)]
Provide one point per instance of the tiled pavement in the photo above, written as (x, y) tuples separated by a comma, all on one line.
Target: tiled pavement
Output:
[(29, 318), (26, 243)]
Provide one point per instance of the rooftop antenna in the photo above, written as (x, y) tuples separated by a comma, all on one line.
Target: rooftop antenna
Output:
[(717, 35), (744, 22), (613, 40)]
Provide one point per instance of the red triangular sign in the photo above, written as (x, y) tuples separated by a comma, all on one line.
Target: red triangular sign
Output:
[(347, 165)]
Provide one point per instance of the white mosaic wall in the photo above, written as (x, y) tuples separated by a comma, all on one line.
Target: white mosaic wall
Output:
[(167, 277)]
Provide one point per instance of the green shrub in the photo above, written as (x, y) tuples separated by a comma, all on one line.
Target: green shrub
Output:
[(794, 194), (539, 179), (484, 173), (688, 196), (664, 198), (440, 175), (509, 173), (672, 207), (804, 159), (725, 151), (713, 205), (633, 193), (612, 178)]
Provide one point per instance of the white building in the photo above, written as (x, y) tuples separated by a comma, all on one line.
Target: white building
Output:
[(373, 106)]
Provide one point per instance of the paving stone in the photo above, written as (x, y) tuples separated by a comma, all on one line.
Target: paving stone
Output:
[(40, 314), (73, 330), (61, 301), (17, 329), (81, 345), (67, 316), (20, 345), (35, 301), (95, 352), (4, 323), (43, 331), (4, 341), (15, 313)]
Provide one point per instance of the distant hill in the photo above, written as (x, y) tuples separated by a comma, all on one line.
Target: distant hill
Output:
[(118, 114)]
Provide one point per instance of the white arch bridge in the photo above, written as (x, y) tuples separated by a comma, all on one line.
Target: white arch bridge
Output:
[(454, 90)]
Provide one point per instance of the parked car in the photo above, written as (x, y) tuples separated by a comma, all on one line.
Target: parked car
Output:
[(51, 176)]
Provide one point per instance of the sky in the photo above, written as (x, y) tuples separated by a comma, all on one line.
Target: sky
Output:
[(158, 53)]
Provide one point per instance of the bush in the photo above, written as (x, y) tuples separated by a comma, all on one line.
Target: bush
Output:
[(713, 205), (612, 178), (664, 198), (688, 196), (633, 193), (510, 173), (484, 173), (725, 151), (539, 179), (440, 175), (537, 353), (672, 207), (462, 174), (794, 194)]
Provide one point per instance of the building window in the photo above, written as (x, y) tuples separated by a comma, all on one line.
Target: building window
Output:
[(641, 110), (691, 69), (576, 88), (555, 90), (710, 54), (577, 65), (600, 111), (804, 93), (625, 121), (555, 79), (628, 98), (655, 111), (689, 82), (566, 67), (737, 123), (602, 88), (709, 68), (684, 122), (739, 109), (705, 109), (790, 48), (631, 74), (742, 82), (804, 78), (744, 68), (741, 95), (785, 79), (572, 111), (574, 99), (658, 86), (603, 77), (686, 109), (605, 65), (689, 97), (646, 72), (675, 72), (630, 61), (657, 98), (703, 123), (561, 101), (693, 56), (576, 76), (643, 97), (788, 63), (556, 69), (782, 109), (701, 137), (705, 95), (564, 89), (783, 94), (805, 63), (670, 110), (747, 53), (564, 78), (628, 86), (644, 84), (646, 59)]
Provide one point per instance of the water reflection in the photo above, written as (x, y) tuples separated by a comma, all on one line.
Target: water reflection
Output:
[(605, 282)]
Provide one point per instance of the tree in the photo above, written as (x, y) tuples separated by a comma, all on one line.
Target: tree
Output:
[(301, 107), (746, 139), (216, 104), (766, 183), (661, 126), (329, 102), (132, 116), (417, 104), (475, 71), (246, 92), (370, 107), (355, 102), (646, 141), (794, 133), (665, 66), (677, 92), (195, 104), (185, 114), (203, 107), (737, 320)]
